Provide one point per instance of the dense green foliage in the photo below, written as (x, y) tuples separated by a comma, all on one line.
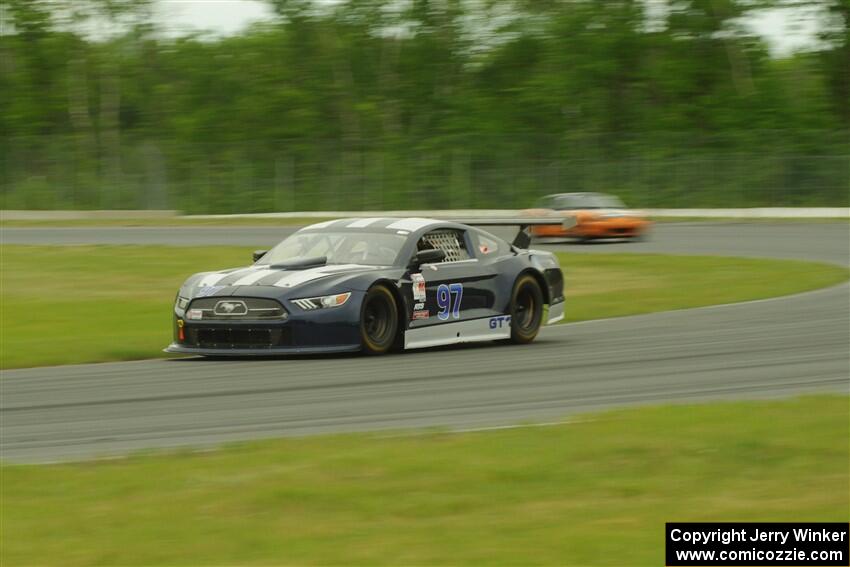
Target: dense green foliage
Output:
[(421, 104)]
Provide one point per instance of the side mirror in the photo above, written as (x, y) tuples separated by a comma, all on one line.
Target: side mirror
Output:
[(259, 254), (427, 257)]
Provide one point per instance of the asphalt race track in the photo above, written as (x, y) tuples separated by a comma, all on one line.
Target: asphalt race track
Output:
[(749, 350), (825, 242)]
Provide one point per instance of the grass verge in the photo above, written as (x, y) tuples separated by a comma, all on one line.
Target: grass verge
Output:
[(595, 492), (73, 304)]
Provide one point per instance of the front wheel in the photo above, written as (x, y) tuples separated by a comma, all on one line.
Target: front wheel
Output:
[(526, 309), (378, 321)]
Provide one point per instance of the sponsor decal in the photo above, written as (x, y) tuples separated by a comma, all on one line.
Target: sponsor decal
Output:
[(418, 306), (499, 322), (208, 290), (421, 314), (194, 314), (418, 287)]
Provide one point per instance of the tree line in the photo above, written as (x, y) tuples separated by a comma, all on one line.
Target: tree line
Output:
[(369, 104)]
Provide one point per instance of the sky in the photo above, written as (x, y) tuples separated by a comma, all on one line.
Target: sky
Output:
[(785, 29), (218, 16)]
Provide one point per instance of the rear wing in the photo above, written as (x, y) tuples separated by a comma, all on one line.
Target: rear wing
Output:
[(523, 237)]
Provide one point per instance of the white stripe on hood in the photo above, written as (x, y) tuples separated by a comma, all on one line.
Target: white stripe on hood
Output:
[(294, 278), (212, 279), (254, 276)]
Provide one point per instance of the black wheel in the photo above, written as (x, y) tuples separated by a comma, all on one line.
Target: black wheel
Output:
[(378, 321), (526, 309)]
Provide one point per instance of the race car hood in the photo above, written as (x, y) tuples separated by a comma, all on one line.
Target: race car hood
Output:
[(265, 281)]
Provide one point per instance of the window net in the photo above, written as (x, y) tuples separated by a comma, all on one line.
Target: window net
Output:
[(450, 242)]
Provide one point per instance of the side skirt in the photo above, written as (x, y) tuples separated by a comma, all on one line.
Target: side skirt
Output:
[(485, 329)]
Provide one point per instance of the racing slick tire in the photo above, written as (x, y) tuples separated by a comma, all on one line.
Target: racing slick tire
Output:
[(526, 309), (378, 321)]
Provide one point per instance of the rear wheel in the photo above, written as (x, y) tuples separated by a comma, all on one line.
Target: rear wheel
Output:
[(378, 321), (526, 309)]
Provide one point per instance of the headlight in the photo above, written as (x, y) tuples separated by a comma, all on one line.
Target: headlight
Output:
[(182, 302), (324, 302)]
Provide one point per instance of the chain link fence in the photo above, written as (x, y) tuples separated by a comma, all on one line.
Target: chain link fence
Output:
[(666, 170)]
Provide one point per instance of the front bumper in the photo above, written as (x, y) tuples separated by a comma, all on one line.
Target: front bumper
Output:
[(301, 332)]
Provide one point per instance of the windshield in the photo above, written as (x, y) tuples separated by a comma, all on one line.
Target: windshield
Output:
[(563, 202), (369, 248)]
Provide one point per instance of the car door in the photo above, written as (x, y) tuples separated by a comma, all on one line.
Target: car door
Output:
[(460, 288)]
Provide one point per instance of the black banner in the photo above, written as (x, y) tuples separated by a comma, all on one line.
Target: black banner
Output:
[(772, 543)]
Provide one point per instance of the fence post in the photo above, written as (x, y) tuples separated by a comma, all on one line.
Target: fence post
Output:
[(284, 184)]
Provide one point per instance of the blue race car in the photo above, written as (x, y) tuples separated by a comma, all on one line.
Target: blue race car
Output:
[(373, 284)]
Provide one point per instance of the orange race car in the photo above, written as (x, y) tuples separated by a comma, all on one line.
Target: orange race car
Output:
[(596, 215)]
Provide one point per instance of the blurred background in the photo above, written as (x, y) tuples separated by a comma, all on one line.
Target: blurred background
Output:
[(286, 105)]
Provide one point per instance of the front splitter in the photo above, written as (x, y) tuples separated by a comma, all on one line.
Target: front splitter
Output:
[(175, 348)]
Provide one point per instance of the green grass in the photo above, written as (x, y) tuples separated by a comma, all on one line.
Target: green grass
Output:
[(595, 492), (63, 305), (603, 285)]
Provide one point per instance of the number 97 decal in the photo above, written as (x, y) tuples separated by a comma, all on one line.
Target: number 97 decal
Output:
[(448, 300)]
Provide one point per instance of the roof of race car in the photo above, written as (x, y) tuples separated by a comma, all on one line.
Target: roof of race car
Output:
[(376, 224)]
